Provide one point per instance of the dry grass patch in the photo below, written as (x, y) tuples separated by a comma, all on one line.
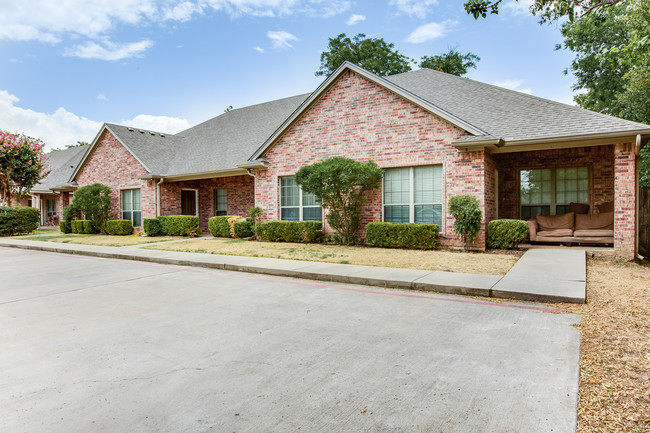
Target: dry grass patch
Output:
[(100, 240), (615, 348), (495, 264)]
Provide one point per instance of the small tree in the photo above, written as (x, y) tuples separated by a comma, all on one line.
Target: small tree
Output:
[(451, 62), (340, 184), (466, 211), (22, 165), (254, 216), (94, 201)]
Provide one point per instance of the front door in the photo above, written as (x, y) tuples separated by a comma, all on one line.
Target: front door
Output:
[(188, 202)]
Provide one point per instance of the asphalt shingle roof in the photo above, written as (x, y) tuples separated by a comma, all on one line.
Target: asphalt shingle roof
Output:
[(62, 164)]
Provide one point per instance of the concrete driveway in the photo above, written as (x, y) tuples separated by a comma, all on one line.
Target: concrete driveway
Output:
[(98, 345)]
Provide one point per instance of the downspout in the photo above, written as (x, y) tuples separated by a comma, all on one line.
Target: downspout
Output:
[(250, 173), (637, 149), (162, 179)]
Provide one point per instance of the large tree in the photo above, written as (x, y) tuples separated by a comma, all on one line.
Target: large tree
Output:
[(374, 54), (546, 10), (451, 62), (22, 165)]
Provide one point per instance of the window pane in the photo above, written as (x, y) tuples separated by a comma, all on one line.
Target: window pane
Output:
[(572, 185), (431, 214), (397, 186), (396, 214), (221, 201), (136, 199), (528, 212), (136, 218), (309, 200), (535, 187), (289, 192), (290, 214), (126, 201), (126, 215), (312, 214)]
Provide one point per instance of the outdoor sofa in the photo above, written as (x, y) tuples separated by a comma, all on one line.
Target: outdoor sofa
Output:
[(576, 226)]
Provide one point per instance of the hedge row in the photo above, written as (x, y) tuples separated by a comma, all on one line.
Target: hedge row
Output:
[(119, 227), (291, 231), (506, 233), (403, 235), (18, 220), (82, 227), (172, 225), (219, 227)]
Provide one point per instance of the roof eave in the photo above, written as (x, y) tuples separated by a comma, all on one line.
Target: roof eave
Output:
[(204, 175)]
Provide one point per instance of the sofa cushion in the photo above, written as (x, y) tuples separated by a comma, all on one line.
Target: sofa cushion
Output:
[(554, 222), (555, 233), (605, 207), (579, 208), (600, 221), (593, 233)]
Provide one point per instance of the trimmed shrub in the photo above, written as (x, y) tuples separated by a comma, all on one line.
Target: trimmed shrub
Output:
[(70, 213), (77, 226), (219, 226), (119, 227), (467, 214), (88, 227), (291, 231), (243, 229), (506, 234), (64, 226), (403, 235), (153, 226), (180, 225), (94, 201), (15, 220)]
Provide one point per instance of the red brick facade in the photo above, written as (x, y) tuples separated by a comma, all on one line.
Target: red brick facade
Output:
[(361, 120), (625, 198)]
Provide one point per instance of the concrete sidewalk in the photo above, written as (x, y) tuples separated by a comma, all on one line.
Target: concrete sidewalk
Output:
[(528, 280)]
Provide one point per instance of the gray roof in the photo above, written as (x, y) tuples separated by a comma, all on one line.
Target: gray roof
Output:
[(504, 113), (62, 164)]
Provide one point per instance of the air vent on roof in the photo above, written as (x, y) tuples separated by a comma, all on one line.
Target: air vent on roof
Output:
[(131, 129), (140, 131), (152, 133), (162, 135)]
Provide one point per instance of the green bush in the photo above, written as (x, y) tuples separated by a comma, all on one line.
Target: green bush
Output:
[(77, 226), (243, 228), (291, 231), (219, 227), (180, 225), (17, 220), (467, 214), (119, 227), (153, 226), (403, 235), (88, 227), (94, 201), (506, 234), (64, 226), (70, 213)]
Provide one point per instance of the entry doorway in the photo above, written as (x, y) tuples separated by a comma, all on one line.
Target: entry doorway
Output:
[(190, 202)]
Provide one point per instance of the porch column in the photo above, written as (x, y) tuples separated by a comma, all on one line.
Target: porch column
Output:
[(624, 199)]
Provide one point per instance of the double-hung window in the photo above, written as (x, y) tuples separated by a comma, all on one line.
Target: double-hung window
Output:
[(220, 202), (51, 207), (296, 205), (131, 206), (550, 191), (413, 194)]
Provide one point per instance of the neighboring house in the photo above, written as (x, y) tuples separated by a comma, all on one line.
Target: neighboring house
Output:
[(436, 135), (54, 192)]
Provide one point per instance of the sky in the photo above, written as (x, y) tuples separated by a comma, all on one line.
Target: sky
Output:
[(66, 67)]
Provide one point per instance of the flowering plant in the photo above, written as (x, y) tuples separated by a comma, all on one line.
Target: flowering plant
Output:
[(22, 165)]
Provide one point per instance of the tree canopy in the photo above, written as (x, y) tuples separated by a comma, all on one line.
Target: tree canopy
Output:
[(546, 10), (22, 165), (451, 62)]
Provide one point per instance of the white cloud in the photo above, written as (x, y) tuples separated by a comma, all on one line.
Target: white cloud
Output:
[(56, 129), (520, 7), (279, 8), (355, 18), (417, 8), (430, 31), (108, 50), (167, 124), (102, 97), (259, 49), (513, 85), (281, 39)]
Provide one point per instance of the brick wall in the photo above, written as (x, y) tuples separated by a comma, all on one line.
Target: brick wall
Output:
[(240, 196), (359, 119), (625, 199), (599, 159), (113, 165)]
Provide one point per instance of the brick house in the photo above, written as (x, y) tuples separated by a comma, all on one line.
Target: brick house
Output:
[(435, 135)]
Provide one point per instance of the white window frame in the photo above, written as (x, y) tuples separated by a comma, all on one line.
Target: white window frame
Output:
[(553, 205), (300, 206), (196, 199), (122, 204), (412, 204)]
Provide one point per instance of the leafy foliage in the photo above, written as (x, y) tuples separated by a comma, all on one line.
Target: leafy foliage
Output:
[(451, 62), (466, 211), (644, 166), (94, 201), (180, 225), (546, 10), (255, 215), (340, 184), (505, 234), (243, 228), (64, 227), (152, 226), (119, 227), (219, 226), (18, 220), (70, 213), (403, 235), (291, 231), (22, 165), (374, 54)]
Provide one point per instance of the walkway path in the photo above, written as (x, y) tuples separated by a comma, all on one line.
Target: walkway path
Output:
[(557, 275)]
